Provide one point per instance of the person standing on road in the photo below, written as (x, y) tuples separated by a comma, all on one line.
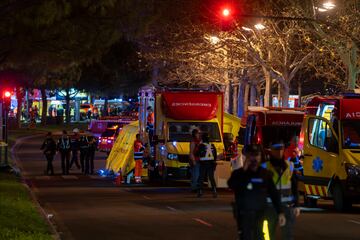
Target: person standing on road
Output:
[(150, 121), (49, 148), (251, 185), (74, 144), (286, 183), (89, 165), (84, 149), (63, 147), (138, 157), (194, 159), (207, 154)]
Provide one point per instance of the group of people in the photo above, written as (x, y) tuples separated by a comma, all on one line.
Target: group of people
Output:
[(69, 147), (265, 188)]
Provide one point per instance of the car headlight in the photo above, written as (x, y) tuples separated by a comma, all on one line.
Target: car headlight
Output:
[(352, 170), (172, 156)]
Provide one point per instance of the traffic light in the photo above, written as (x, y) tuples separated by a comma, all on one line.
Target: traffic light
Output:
[(6, 99), (226, 14)]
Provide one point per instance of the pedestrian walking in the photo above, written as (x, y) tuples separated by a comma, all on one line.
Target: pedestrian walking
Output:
[(286, 182), (89, 163), (252, 185), (74, 144), (138, 157), (63, 147), (194, 159), (207, 160), (84, 149), (49, 148)]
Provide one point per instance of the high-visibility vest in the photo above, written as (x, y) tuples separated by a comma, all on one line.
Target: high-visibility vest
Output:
[(150, 119), (138, 150), (283, 182), (209, 156)]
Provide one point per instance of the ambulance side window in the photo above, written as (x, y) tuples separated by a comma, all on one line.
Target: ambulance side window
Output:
[(321, 136)]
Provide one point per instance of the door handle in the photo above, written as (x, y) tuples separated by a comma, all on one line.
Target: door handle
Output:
[(308, 155)]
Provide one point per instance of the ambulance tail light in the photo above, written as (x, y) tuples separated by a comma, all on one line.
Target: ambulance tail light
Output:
[(301, 140), (259, 137)]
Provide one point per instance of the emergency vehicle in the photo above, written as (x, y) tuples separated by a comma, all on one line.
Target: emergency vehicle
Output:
[(330, 140), (267, 125), (177, 113), (97, 127), (108, 138)]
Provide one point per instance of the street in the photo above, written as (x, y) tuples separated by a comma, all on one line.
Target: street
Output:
[(91, 207)]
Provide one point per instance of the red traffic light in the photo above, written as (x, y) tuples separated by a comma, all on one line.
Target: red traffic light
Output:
[(226, 12), (7, 94)]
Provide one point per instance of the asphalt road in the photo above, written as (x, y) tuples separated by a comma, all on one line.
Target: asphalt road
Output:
[(90, 207)]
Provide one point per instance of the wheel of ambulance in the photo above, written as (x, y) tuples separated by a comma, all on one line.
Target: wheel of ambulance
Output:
[(340, 201), (310, 201)]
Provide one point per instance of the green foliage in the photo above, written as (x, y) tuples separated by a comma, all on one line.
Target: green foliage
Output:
[(19, 219)]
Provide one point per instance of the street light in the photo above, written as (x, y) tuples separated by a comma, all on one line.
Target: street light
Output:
[(246, 29), (259, 26), (214, 40), (329, 5)]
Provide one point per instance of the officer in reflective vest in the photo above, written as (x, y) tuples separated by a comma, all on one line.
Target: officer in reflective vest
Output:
[(286, 183), (63, 147), (138, 157), (207, 153)]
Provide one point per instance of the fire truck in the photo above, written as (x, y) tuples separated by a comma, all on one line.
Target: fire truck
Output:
[(330, 141)]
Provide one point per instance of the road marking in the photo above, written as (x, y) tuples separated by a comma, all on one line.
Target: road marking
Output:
[(203, 222), (171, 208), (42, 177), (68, 177), (147, 198), (353, 221)]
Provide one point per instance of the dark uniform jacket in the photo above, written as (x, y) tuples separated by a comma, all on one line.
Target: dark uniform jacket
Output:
[(49, 146), (252, 188)]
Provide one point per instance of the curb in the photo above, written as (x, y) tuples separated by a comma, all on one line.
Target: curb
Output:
[(18, 168)]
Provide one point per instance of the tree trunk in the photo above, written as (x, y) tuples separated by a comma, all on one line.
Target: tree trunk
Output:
[(252, 89), (352, 77), (241, 97), (299, 93), (19, 97), (279, 95), (285, 91), (235, 93), (227, 96), (105, 110), (268, 83), (67, 109), (44, 106), (246, 97)]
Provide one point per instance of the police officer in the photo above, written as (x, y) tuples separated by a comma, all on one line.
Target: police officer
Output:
[(251, 185), (286, 183), (74, 144), (89, 164), (207, 153), (63, 147), (49, 148), (84, 148)]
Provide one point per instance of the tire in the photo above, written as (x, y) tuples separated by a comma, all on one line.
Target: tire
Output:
[(340, 202), (310, 202)]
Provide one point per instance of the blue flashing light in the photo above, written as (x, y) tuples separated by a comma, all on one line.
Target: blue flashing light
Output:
[(174, 143)]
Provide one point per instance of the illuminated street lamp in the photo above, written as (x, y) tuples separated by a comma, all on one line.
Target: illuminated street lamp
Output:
[(214, 40), (259, 26), (246, 29), (329, 5)]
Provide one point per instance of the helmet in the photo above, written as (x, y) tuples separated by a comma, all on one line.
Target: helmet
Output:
[(76, 130)]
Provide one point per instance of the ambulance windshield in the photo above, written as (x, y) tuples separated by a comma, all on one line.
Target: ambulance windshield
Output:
[(351, 134), (181, 131)]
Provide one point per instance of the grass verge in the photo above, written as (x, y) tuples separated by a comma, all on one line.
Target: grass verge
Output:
[(19, 218)]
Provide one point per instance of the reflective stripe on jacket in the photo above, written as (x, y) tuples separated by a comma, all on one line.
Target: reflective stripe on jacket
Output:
[(138, 150), (209, 156)]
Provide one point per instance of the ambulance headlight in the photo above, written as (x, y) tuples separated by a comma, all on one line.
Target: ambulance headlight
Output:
[(352, 170), (172, 156)]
